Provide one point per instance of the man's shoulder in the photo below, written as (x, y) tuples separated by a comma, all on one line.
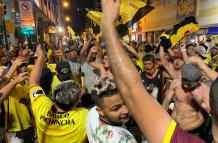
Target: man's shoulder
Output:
[(98, 130)]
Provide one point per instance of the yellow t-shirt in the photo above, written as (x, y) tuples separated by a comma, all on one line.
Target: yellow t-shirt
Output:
[(55, 82), (68, 127), (49, 53), (210, 59), (52, 67), (19, 115), (140, 63)]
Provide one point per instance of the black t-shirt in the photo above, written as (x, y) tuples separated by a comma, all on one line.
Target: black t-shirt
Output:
[(156, 83)]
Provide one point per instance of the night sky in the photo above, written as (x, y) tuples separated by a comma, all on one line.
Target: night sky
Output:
[(78, 18)]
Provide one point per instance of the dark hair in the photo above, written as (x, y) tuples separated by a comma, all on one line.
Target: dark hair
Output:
[(67, 94), (149, 57), (104, 87), (46, 80), (214, 99), (191, 44)]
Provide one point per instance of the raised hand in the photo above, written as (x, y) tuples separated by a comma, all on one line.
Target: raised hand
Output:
[(21, 77), (19, 61), (111, 9), (94, 50), (39, 51), (182, 47)]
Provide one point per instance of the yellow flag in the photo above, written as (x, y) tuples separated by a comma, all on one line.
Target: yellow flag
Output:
[(129, 11), (10, 26), (95, 16), (129, 8)]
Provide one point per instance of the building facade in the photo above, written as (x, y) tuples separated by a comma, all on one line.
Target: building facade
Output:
[(165, 15), (47, 15)]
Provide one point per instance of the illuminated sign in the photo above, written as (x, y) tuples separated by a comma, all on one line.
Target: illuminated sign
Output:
[(186, 8), (26, 17), (134, 27)]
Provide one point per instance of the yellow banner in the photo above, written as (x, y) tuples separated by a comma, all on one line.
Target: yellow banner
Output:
[(10, 26), (95, 16), (129, 8)]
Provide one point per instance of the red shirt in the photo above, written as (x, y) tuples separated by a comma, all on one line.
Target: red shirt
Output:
[(180, 136)]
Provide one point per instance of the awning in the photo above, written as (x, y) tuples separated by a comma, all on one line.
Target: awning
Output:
[(213, 30)]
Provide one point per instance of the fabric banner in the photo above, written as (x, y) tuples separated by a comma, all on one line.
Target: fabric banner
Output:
[(129, 8), (10, 26), (129, 11), (95, 16)]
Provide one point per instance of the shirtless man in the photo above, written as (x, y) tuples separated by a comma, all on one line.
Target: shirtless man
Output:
[(186, 112)]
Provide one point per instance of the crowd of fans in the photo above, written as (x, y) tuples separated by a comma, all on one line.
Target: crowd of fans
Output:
[(112, 92)]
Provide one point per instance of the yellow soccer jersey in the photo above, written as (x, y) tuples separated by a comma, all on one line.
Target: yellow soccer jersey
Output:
[(19, 116), (55, 82), (52, 67), (68, 127)]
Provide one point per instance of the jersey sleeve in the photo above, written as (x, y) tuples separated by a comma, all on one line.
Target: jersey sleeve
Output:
[(176, 135), (36, 92)]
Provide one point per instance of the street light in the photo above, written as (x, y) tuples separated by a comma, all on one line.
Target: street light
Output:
[(60, 29), (66, 4), (67, 18)]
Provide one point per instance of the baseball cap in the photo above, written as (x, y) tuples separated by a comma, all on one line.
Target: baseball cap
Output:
[(191, 72), (201, 50), (63, 71)]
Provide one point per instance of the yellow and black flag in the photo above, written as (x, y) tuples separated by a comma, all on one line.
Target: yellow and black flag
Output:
[(130, 12), (187, 26)]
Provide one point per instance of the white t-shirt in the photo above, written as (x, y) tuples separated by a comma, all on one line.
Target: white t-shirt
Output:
[(100, 132)]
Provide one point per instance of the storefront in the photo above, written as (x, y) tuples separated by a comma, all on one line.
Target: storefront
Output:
[(169, 12)]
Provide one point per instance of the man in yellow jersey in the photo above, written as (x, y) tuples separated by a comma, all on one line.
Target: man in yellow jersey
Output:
[(18, 118), (59, 121), (155, 123)]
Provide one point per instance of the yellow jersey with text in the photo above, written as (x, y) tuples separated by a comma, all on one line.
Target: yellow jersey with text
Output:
[(68, 127), (19, 112), (55, 82)]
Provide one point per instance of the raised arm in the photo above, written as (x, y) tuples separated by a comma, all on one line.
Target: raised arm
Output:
[(4, 92), (37, 69), (166, 65), (170, 94), (211, 74), (93, 51), (131, 49), (15, 64), (184, 52), (131, 87), (82, 55)]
